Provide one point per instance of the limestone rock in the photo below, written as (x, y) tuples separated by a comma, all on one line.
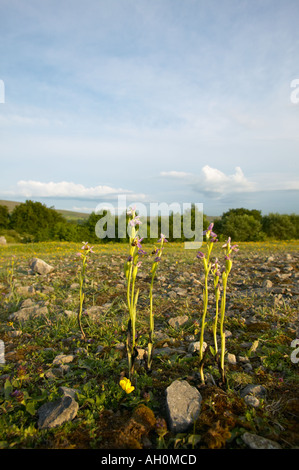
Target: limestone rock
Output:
[(183, 404), (257, 442), (28, 312), (41, 267), (63, 359), (58, 412), (253, 389), (195, 346), (178, 321), (25, 290)]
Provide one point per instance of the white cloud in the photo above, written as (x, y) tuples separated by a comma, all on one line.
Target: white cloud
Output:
[(215, 181), (69, 190), (175, 174)]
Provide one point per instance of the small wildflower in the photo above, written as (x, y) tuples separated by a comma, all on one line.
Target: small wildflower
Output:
[(126, 385), (200, 255), (157, 259), (227, 244), (162, 238), (161, 427), (208, 233), (18, 395), (131, 211), (87, 247), (135, 221)]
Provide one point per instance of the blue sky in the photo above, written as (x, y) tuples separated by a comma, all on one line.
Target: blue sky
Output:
[(158, 100)]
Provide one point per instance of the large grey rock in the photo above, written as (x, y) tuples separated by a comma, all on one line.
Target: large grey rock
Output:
[(183, 404), (28, 312), (41, 267), (58, 412), (258, 442)]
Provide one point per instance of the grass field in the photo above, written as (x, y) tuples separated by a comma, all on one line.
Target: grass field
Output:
[(261, 323)]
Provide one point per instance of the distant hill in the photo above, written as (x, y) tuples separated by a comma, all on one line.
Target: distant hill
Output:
[(75, 216), (68, 215)]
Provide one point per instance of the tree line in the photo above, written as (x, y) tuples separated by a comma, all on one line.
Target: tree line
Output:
[(34, 222)]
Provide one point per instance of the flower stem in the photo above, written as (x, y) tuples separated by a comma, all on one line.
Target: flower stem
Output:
[(222, 333)]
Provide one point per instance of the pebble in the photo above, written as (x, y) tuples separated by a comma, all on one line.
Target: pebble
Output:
[(253, 389), (28, 312), (231, 359), (258, 442), (63, 359), (195, 346), (178, 321), (252, 401)]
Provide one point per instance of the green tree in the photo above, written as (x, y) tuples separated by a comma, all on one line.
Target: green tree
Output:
[(4, 217), (35, 219), (242, 228), (280, 226)]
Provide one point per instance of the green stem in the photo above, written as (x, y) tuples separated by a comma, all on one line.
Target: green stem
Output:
[(222, 333), (151, 335), (81, 299), (216, 319), (205, 298)]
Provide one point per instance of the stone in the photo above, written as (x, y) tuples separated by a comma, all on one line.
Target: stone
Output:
[(253, 389), (25, 290), (3, 241), (231, 359), (28, 312), (41, 267), (63, 359), (74, 286), (53, 374), (183, 403), (27, 303), (167, 351), (268, 284), (247, 367), (252, 401), (15, 333), (258, 442), (58, 412), (70, 313), (68, 392), (195, 346), (178, 321)]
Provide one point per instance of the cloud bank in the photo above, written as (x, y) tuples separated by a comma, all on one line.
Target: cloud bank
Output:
[(213, 182), (70, 190)]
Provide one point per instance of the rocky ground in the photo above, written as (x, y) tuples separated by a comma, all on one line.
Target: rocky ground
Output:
[(58, 391)]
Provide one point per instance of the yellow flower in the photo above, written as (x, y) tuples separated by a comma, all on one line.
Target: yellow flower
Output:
[(126, 385)]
